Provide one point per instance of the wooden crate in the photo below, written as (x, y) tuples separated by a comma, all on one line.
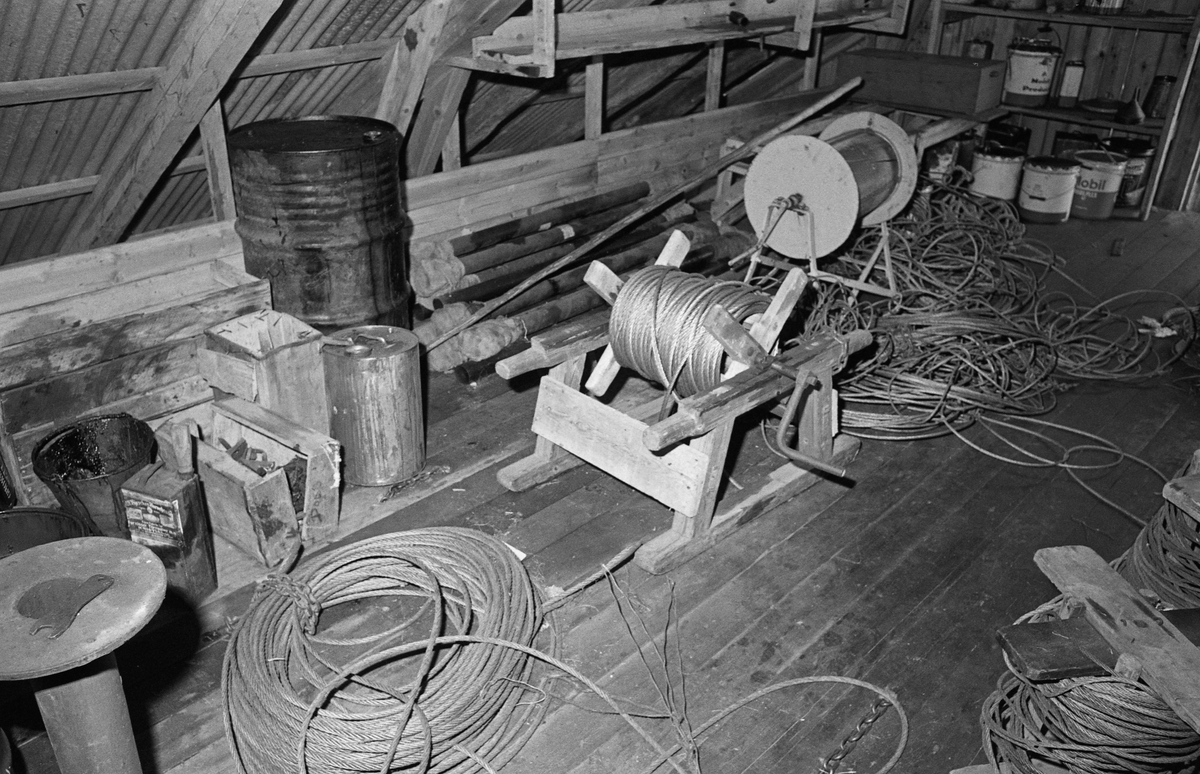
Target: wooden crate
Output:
[(110, 330), (940, 84), (256, 512), (272, 359)]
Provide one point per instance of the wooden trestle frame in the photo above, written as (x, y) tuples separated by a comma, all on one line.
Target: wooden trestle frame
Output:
[(680, 460)]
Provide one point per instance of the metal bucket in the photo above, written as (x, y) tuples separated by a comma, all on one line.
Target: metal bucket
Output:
[(85, 463), (318, 202), (1030, 72), (1139, 152), (1099, 183), (22, 528), (1047, 187), (997, 173)]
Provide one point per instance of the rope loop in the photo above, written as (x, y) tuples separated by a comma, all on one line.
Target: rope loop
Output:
[(304, 603)]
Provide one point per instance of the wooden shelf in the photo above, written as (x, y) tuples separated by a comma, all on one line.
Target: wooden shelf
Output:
[(1153, 22), (1150, 128), (529, 45)]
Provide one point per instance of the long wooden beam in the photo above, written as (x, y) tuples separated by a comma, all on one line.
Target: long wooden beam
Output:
[(411, 58), (444, 84), (199, 67)]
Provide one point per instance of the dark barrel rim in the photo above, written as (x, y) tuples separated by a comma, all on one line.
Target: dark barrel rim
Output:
[(289, 135)]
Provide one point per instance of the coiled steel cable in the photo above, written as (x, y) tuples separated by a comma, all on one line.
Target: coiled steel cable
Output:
[(656, 326), (293, 704)]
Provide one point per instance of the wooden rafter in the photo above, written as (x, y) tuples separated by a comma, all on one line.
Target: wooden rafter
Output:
[(194, 74), (444, 84), (216, 162), (409, 64)]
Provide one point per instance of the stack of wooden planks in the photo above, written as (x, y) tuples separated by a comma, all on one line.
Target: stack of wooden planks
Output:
[(112, 330)]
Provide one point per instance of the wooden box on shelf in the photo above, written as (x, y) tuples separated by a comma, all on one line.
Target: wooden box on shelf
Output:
[(942, 84)]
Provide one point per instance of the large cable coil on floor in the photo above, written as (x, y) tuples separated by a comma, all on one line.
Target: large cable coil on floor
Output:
[(656, 327), (439, 699)]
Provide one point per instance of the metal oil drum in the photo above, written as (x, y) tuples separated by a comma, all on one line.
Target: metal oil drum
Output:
[(373, 379), (318, 204)]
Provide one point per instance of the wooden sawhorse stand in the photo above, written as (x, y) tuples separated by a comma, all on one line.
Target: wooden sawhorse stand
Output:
[(679, 461)]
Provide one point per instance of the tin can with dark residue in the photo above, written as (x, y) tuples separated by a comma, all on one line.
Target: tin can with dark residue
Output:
[(318, 203)]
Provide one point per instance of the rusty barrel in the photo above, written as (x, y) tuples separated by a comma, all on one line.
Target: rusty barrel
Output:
[(318, 205)]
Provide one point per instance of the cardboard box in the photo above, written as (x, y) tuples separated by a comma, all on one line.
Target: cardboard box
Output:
[(939, 84)]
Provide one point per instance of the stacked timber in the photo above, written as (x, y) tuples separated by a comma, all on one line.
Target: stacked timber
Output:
[(563, 296), (116, 329)]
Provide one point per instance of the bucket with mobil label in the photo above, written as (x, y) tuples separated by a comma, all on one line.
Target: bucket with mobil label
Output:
[(1047, 188), (1140, 153), (1099, 182), (996, 172)]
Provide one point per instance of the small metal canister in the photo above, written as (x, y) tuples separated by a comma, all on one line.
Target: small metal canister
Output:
[(373, 377)]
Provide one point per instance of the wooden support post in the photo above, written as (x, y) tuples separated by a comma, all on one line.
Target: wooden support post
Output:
[(593, 99), (452, 148), (714, 86), (812, 65), (216, 161), (548, 459), (1170, 664), (443, 94), (410, 61), (545, 37), (806, 12)]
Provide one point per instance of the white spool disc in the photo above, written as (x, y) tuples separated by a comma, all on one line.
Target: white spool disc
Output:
[(902, 147), (798, 164)]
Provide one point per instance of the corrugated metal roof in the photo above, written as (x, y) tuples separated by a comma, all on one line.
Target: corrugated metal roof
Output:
[(50, 142)]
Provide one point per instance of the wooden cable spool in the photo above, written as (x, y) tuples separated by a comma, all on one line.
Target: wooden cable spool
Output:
[(862, 168)]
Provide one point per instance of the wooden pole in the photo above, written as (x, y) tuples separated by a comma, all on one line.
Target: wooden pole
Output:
[(745, 151)]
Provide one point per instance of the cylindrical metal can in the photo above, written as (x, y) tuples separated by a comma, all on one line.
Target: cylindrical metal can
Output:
[(1030, 72), (1140, 153), (373, 377), (1099, 181), (318, 202), (996, 172), (1159, 96), (1047, 187), (1071, 83)]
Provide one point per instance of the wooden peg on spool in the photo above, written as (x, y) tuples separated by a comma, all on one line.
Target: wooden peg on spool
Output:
[(601, 279)]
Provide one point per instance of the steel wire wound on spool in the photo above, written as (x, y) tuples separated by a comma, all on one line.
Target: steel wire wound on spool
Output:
[(656, 326), (398, 701)]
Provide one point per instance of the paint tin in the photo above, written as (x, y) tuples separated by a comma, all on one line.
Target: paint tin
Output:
[(996, 172), (1047, 188), (1099, 182), (1140, 153), (1030, 72)]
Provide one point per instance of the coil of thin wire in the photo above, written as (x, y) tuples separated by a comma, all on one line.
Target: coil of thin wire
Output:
[(298, 700), (1165, 558), (1090, 725), (973, 329), (656, 326)]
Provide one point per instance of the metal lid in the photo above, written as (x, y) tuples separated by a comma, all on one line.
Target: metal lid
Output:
[(311, 134), (103, 624), (1037, 45), (365, 342), (1052, 163)]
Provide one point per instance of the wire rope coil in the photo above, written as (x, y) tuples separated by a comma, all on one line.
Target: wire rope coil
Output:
[(297, 698), (656, 327)]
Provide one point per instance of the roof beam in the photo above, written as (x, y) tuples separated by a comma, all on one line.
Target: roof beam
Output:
[(411, 58), (444, 85), (197, 69)]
